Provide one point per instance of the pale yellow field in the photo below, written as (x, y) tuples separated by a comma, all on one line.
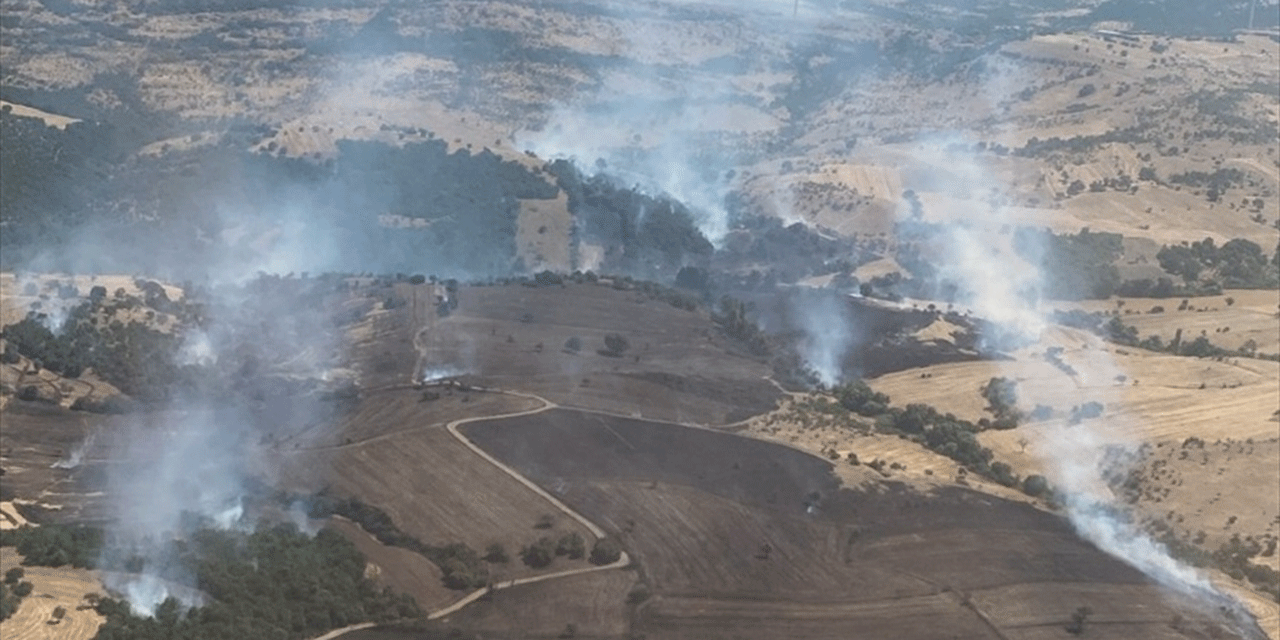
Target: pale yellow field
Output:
[(63, 587), (19, 291), (1253, 314)]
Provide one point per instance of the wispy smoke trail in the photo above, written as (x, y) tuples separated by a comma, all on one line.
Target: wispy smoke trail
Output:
[(1001, 287), (74, 458), (828, 335)]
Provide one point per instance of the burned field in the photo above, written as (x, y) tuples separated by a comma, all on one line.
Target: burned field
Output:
[(738, 538), (674, 363)]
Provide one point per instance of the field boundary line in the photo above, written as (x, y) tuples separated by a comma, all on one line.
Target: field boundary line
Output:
[(547, 405)]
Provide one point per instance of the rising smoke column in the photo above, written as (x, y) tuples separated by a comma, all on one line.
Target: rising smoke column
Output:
[(828, 334), (260, 360), (994, 282), (672, 123)]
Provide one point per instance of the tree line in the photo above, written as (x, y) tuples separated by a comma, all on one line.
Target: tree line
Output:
[(275, 583)]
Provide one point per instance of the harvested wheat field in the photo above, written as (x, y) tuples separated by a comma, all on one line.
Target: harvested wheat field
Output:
[(53, 588)]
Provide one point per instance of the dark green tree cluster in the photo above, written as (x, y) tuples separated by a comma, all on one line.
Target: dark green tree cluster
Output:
[(571, 545), (651, 230), (859, 398), (274, 583), (605, 551), (544, 550), (55, 545), (942, 433), (1238, 264), (1001, 395), (132, 356), (51, 177), (1115, 330), (539, 554), (1234, 557), (12, 591), (615, 344), (1163, 287), (462, 566), (1075, 266), (731, 315)]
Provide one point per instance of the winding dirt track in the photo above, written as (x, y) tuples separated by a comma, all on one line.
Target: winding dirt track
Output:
[(595, 530), (452, 427)]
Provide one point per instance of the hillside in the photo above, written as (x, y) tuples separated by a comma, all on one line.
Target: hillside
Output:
[(668, 320)]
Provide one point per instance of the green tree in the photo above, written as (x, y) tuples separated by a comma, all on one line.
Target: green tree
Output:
[(539, 554), (1035, 485), (571, 545), (573, 344), (496, 553), (605, 551), (616, 344)]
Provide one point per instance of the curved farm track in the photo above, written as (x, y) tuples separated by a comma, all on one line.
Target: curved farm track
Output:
[(738, 538), (452, 427)]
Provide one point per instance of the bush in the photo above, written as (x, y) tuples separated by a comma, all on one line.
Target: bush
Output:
[(496, 553), (605, 551), (1003, 473), (571, 545), (1035, 485), (1001, 395), (539, 554), (23, 589), (616, 344), (13, 575), (573, 344)]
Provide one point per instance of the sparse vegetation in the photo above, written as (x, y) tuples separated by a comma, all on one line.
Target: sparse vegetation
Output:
[(462, 567)]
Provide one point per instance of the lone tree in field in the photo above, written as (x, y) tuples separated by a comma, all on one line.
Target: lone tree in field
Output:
[(1079, 620), (616, 344), (573, 345), (1035, 485)]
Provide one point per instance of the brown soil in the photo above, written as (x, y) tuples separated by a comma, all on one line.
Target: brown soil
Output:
[(402, 459), (695, 507)]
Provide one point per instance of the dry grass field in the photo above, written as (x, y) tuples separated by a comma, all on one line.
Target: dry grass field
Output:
[(400, 569), (64, 587)]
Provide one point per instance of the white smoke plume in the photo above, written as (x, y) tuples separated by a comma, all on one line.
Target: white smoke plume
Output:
[(828, 335), (1002, 287), (76, 455), (670, 124)]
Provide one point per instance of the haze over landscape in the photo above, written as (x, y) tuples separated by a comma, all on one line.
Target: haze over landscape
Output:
[(671, 320)]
